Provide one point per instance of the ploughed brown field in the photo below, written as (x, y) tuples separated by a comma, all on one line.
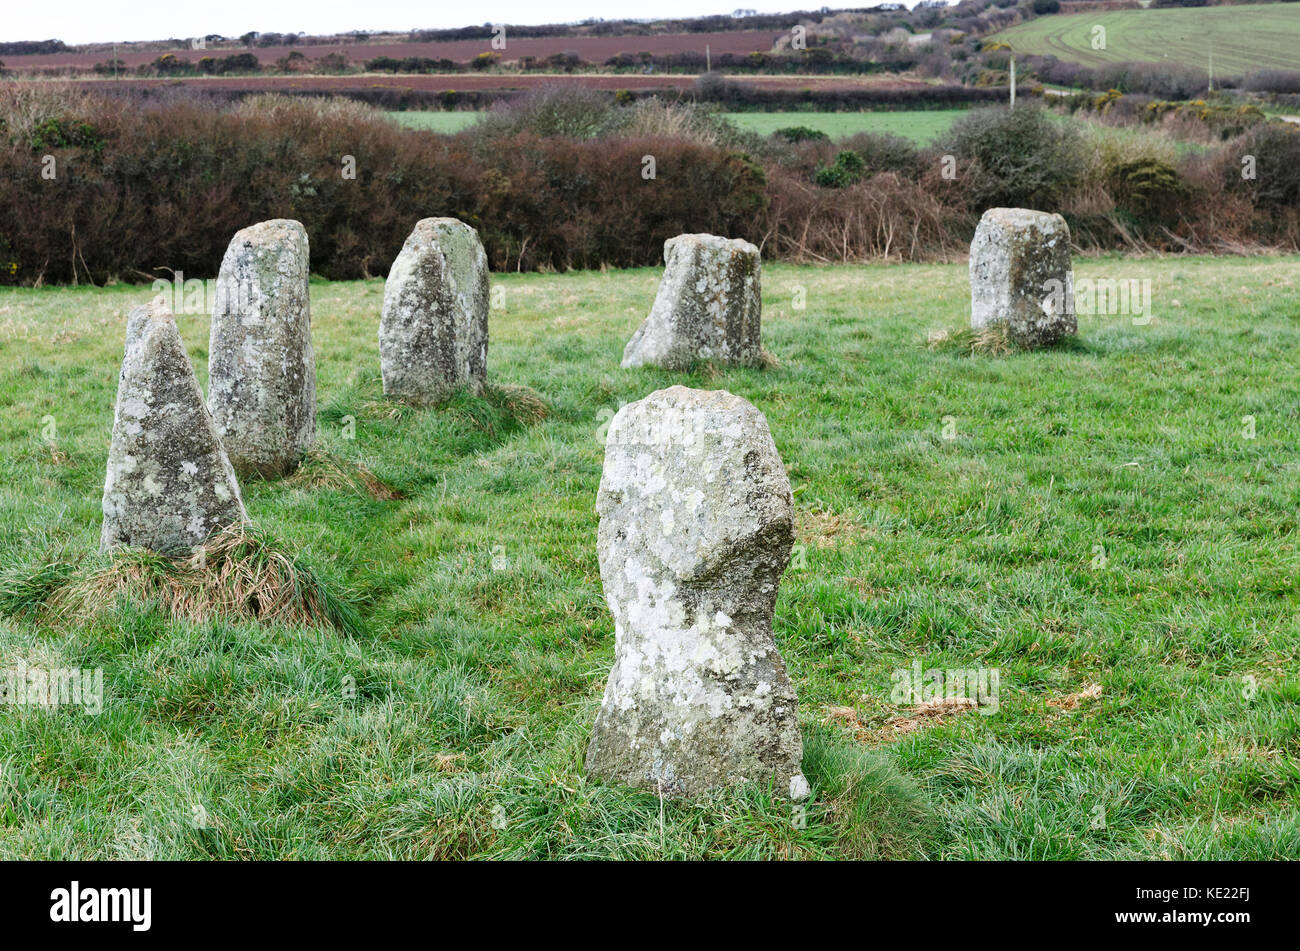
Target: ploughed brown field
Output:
[(592, 49), (464, 82)]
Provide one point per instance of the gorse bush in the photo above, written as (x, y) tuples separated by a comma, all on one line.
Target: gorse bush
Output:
[(1146, 188), (1018, 158), (847, 169), (1138, 176), (882, 152)]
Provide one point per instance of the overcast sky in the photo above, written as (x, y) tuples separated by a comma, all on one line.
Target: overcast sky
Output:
[(96, 21)]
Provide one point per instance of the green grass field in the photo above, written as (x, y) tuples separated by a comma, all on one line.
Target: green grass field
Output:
[(1094, 522), (1242, 38), (922, 125)]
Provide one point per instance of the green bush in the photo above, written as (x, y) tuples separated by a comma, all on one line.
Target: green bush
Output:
[(571, 112), (1140, 174), (1019, 158), (883, 152), (1146, 188), (847, 169), (1274, 152), (801, 133), (64, 133)]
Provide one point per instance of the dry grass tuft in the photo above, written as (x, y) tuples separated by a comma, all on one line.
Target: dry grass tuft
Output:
[(991, 340), (237, 574), (1071, 701), (324, 470), (820, 526), (522, 403)]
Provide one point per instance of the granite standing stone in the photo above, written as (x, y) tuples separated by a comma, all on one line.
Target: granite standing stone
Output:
[(696, 527), (1020, 276), (261, 369), (433, 336), (709, 306), (169, 484)]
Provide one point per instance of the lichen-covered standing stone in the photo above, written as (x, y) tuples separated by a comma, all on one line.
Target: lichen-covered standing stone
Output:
[(169, 484), (1020, 276), (261, 370), (696, 526), (709, 306), (433, 336)]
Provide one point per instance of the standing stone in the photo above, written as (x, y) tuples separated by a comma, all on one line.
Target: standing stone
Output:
[(709, 306), (169, 484), (696, 526), (261, 370), (1020, 276), (433, 337)]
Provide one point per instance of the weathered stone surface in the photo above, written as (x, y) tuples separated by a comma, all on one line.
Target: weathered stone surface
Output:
[(1020, 276), (433, 337), (708, 307), (696, 526), (261, 369), (169, 484)]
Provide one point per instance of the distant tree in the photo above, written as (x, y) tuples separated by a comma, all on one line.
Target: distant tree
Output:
[(291, 63), (240, 63), (332, 63), (25, 47), (169, 64)]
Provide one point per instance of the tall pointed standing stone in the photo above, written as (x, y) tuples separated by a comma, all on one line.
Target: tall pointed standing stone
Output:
[(169, 483), (433, 335), (261, 369), (696, 526), (708, 307), (1021, 276)]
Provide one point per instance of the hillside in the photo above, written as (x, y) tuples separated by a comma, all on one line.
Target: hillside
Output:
[(1243, 38)]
